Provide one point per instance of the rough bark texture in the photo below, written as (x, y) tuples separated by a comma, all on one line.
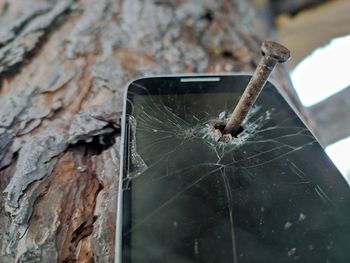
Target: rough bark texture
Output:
[(64, 65)]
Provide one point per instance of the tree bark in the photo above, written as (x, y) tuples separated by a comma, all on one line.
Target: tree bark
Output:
[(64, 65)]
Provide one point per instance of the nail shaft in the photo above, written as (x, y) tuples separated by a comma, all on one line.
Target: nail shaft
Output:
[(273, 53)]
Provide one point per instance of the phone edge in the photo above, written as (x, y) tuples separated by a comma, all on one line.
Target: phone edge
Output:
[(119, 216)]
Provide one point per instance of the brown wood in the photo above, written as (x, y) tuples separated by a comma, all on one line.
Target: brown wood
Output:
[(64, 65), (331, 118), (293, 7)]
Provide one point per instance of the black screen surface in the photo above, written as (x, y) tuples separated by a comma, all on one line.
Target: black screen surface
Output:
[(270, 195)]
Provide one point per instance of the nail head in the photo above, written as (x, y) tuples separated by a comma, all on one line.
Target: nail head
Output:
[(275, 50)]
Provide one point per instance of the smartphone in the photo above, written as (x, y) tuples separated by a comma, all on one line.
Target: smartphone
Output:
[(270, 194)]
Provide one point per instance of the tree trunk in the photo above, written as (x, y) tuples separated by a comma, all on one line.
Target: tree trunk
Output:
[(64, 65)]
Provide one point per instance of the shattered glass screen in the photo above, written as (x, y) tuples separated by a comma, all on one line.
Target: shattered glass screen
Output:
[(269, 195)]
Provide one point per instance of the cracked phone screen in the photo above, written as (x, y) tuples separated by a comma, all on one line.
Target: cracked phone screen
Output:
[(269, 195)]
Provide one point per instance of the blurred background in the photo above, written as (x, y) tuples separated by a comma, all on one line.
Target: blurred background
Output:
[(318, 33)]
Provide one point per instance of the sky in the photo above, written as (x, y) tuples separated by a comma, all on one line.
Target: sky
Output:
[(322, 74)]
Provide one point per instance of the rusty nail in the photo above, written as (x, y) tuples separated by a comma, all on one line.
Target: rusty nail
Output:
[(273, 53)]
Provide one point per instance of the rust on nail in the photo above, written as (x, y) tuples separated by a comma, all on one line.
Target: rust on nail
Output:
[(273, 53)]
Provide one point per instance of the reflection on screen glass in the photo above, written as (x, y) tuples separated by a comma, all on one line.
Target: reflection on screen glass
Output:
[(270, 195)]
